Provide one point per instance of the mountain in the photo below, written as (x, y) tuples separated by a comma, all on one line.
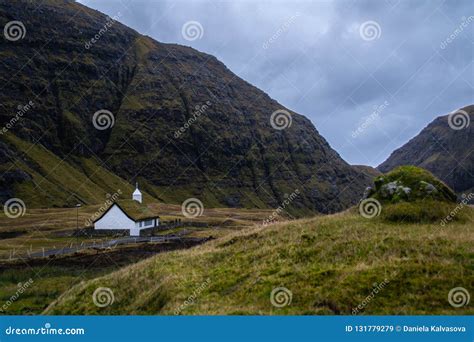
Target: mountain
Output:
[(444, 148), (90, 106), (367, 170)]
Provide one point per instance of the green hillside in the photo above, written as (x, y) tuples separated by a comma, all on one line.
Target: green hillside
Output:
[(55, 182), (330, 264)]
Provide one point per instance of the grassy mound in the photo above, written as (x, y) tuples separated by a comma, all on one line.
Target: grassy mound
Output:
[(423, 211), (339, 264), (409, 194), (409, 184)]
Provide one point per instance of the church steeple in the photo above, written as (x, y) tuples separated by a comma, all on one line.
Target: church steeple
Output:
[(137, 195)]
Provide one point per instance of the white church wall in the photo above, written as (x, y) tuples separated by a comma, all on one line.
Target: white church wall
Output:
[(115, 218), (135, 232)]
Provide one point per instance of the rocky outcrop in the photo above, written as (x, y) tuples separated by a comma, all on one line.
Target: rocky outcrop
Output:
[(409, 184)]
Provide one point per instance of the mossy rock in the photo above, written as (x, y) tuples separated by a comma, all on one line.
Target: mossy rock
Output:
[(410, 184)]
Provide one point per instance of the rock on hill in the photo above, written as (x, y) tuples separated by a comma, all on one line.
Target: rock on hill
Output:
[(180, 122), (409, 184), (445, 148)]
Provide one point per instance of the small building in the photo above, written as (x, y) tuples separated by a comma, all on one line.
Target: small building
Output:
[(131, 215)]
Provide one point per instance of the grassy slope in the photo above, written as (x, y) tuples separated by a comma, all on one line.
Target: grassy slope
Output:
[(57, 183), (43, 228), (53, 281), (329, 263)]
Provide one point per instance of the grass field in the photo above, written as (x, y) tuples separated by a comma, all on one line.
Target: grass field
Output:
[(51, 228), (327, 265)]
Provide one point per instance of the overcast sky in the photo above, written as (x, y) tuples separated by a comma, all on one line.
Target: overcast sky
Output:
[(369, 74)]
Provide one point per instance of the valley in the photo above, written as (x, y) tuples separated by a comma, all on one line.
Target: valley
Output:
[(106, 136), (329, 265)]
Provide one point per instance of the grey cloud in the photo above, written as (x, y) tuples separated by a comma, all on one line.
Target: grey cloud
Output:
[(319, 65)]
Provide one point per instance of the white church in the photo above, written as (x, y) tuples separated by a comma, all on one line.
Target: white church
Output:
[(130, 215)]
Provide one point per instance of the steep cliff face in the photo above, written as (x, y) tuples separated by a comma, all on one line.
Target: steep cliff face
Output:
[(175, 119), (445, 151)]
